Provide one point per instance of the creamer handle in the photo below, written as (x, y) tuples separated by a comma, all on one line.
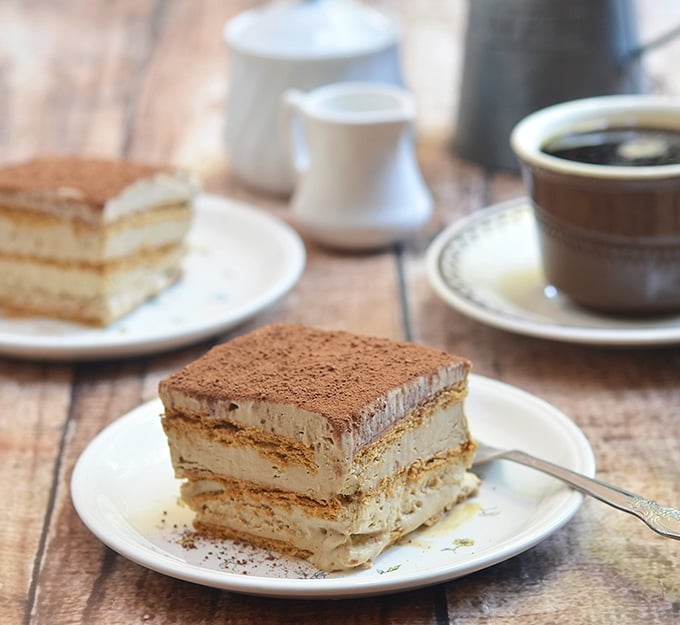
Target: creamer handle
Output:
[(294, 131)]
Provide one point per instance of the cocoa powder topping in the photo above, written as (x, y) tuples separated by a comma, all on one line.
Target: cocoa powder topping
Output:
[(89, 180), (334, 373)]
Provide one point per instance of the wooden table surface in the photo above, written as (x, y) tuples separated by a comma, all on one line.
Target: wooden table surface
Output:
[(147, 80)]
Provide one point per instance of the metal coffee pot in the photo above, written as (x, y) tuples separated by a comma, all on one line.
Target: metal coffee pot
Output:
[(524, 55)]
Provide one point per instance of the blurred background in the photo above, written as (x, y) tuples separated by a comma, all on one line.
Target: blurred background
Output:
[(103, 94)]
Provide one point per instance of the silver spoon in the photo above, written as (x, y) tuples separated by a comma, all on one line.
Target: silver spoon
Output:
[(662, 519)]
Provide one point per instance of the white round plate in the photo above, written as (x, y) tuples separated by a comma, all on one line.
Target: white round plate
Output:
[(124, 491), (240, 261), (488, 267)]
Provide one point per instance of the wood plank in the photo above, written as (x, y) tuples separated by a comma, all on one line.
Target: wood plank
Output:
[(34, 408), (69, 84), (73, 557)]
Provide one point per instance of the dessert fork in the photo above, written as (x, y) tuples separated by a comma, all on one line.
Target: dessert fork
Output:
[(662, 519)]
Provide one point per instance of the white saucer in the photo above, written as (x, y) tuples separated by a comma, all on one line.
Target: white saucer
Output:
[(124, 491), (488, 267), (240, 261)]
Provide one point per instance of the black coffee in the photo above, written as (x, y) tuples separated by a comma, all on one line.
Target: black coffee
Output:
[(635, 147)]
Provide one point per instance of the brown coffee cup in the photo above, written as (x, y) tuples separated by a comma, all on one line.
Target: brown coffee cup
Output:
[(609, 232)]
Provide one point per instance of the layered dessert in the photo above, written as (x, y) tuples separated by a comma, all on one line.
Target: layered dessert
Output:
[(321, 444), (90, 239)]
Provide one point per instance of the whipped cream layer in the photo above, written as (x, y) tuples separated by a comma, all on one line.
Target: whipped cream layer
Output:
[(84, 293), (30, 235), (162, 189)]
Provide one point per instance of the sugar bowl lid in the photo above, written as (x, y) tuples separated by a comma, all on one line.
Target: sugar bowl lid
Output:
[(310, 29)]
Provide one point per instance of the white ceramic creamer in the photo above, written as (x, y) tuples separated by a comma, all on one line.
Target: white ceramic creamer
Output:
[(298, 44), (358, 181)]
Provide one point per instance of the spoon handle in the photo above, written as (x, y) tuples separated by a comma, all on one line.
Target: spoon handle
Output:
[(662, 519)]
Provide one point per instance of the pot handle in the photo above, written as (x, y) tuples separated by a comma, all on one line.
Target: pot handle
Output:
[(660, 40), (294, 131)]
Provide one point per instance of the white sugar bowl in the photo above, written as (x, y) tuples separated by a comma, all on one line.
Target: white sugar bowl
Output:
[(296, 44)]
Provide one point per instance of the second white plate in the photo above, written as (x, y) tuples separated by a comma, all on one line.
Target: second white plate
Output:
[(124, 491), (240, 261), (488, 267)]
